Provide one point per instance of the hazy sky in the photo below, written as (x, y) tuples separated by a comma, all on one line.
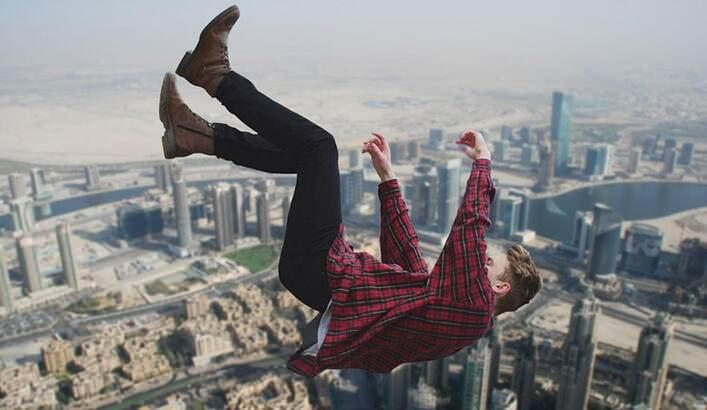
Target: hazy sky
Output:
[(549, 33)]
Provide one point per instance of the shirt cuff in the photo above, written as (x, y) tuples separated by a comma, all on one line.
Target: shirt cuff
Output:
[(388, 185), (482, 163)]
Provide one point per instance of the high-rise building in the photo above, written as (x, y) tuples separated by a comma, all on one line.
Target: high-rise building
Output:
[(669, 160), (503, 399), (546, 171), (686, 151), (500, 152), (524, 210), (413, 150), (529, 154), (285, 210), (137, 220), (424, 195), (422, 397), (506, 133), (239, 210), (591, 161), (354, 158), (523, 380), (437, 373), (477, 371), (223, 215), (351, 189), (263, 217), (93, 180), (18, 185), (525, 135), (436, 139), (560, 130), (670, 143), (496, 341), (448, 175), (5, 285), (634, 161), (598, 160), (163, 178), (398, 151), (196, 306), (22, 211), (395, 387), (582, 233), (641, 252), (650, 369), (509, 214), (181, 205), (29, 266), (37, 180), (606, 240), (68, 263), (578, 353)]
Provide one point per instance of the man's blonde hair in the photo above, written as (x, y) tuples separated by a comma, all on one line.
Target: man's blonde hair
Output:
[(524, 278)]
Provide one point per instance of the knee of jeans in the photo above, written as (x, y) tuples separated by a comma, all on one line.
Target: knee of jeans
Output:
[(324, 147)]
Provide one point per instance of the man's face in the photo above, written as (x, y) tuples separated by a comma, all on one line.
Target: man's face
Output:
[(496, 263)]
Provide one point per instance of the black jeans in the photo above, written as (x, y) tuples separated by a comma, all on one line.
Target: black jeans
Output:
[(288, 143)]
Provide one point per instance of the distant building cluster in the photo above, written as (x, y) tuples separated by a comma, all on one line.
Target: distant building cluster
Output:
[(269, 392)]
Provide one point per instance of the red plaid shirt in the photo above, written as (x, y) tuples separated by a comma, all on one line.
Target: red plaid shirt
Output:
[(393, 311)]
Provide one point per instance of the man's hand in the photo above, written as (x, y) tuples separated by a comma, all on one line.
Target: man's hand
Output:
[(379, 150), (474, 145)]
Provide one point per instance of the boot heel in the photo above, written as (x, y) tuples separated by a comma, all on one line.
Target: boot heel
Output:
[(182, 67)]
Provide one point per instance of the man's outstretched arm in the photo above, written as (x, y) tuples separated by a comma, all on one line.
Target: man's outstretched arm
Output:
[(459, 270), (398, 239)]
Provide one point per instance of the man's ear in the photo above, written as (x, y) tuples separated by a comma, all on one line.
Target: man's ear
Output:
[(501, 287)]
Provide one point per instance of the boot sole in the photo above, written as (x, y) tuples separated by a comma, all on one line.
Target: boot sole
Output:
[(169, 145), (186, 60)]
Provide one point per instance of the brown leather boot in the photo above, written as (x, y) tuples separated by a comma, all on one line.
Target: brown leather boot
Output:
[(208, 63), (185, 132)]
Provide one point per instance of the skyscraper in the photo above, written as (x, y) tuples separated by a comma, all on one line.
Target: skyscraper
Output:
[(506, 133), (437, 373), (239, 209), (285, 210), (413, 150), (476, 376), (181, 206), (582, 233), (351, 189), (436, 139), (546, 170), (223, 215), (500, 152), (578, 351), (650, 369), (529, 154), (163, 179), (41, 194), (93, 180), (263, 216), (523, 380), (606, 240), (395, 387), (509, 214), (68, 263), (354, 158), (448, 174), (18, 185), (641, 251), (503, 399), (29, 266), (686, 151), (669, 160), (591, 161), (634, 161), (668, 144), (496, 340), (22, 211), (560, 130), (424, 195), (398, 151), (5, 285)]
